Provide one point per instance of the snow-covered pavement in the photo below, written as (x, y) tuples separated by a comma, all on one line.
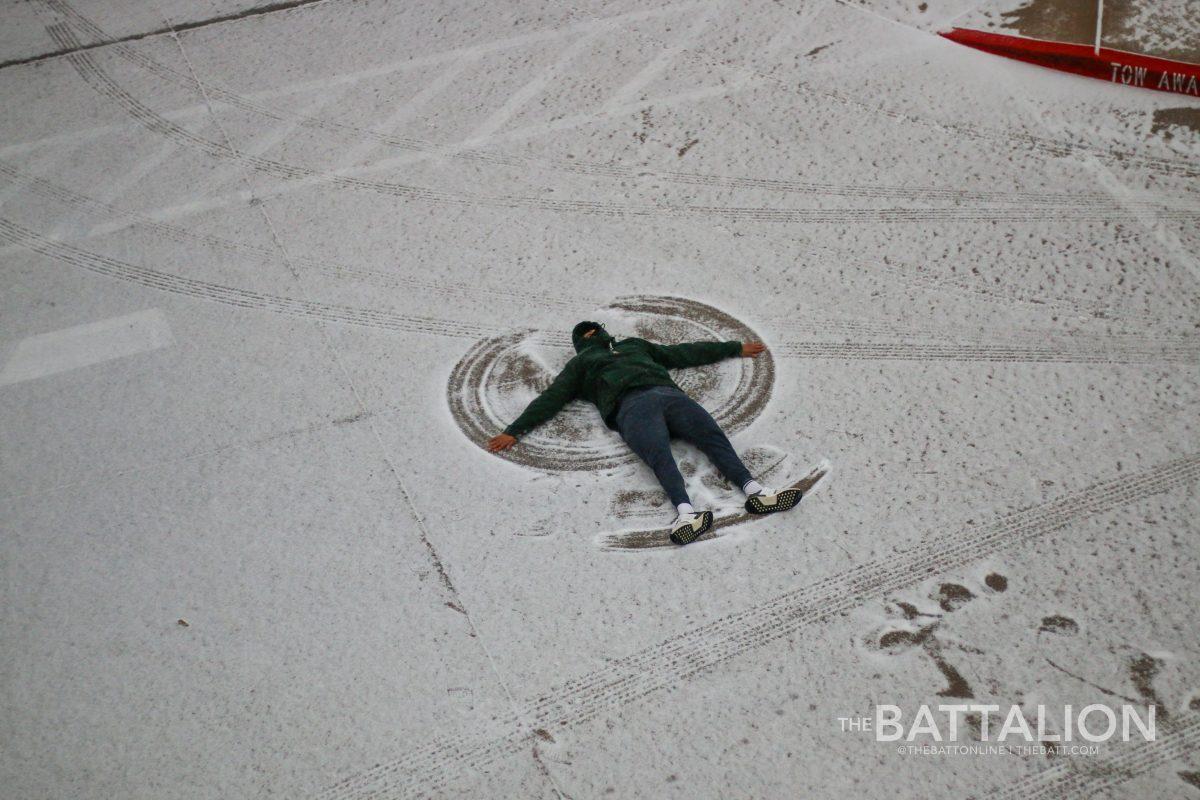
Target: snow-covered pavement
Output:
[(270, 276)]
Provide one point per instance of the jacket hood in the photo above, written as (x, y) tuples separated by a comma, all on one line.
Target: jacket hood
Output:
[(600, 338)]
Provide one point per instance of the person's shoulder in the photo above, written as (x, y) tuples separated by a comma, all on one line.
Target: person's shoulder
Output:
[(637, 342), (582, 360)]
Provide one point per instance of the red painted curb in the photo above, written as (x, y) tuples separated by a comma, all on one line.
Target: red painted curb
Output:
[(1114, 66)]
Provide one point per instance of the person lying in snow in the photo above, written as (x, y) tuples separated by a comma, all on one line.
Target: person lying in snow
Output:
[(628, 382)]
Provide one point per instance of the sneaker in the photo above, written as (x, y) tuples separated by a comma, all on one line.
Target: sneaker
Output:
[(687, 528), (768, 502)]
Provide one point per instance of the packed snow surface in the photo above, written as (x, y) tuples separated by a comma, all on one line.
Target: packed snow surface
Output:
[(271, 277)]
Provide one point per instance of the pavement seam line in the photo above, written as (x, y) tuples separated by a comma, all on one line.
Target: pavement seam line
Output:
[(447, 583)]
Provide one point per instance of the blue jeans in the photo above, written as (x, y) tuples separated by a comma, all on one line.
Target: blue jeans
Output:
[(650, 417)]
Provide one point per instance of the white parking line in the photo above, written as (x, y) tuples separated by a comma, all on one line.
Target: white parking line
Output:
[(630, 92), (404, 111), (198, 110), (84, 345), (533, 88)]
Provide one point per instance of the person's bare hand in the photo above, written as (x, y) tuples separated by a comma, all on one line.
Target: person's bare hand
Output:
[(501, 442), (752, 349)]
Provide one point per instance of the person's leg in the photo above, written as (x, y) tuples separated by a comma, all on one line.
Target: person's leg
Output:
[(687, 420), (643, 427)]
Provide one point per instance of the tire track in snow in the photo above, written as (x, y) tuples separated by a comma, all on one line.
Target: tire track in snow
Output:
[(1094, 352), (616, 171), (1069, 779), (632, 679), (253, 11), (861, 328), (892, 331), (100, 81), (918, 277), (923, 278), (471, 291), (229, 295)]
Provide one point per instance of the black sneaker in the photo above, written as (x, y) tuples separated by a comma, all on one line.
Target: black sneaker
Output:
[(763, 503), (689, 527)]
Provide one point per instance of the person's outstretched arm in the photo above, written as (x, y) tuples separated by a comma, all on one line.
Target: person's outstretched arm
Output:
[(561, 391), (696, 354)]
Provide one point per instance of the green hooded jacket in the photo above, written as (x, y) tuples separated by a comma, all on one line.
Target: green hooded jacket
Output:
[(603, 368)]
